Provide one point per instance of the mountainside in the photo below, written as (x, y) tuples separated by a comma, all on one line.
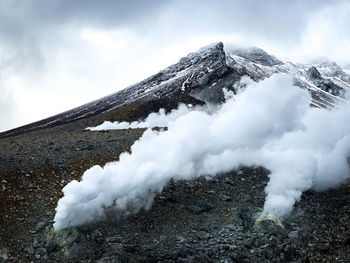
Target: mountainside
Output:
[(203, 75), (196, 220)]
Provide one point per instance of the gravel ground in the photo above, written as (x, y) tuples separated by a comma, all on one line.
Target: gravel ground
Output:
[(34, 168), (190, 221)]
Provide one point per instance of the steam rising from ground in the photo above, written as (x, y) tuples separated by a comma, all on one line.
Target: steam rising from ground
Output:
[(160, 119), (270, 124)]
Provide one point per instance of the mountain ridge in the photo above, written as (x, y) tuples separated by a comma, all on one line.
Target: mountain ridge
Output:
[(203, 75)]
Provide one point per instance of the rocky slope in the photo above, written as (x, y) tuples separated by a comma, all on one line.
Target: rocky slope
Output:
[(190, 221)]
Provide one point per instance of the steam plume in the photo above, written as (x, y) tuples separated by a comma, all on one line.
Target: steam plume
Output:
[(270, 123), (160, 119)]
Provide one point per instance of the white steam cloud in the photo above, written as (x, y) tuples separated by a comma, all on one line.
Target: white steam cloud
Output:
[(270, 124), (160, 119)]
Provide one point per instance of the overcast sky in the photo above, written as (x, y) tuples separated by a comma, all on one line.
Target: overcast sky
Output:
[(59, 54)]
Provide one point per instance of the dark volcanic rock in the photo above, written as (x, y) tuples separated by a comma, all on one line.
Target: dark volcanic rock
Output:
[(195, 209), (313, 73)]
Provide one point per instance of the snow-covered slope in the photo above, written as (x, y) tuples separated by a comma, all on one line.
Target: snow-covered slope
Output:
[(326, 81), (204, 75)]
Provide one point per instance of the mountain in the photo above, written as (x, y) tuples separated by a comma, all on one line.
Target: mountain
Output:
[(195, 220), (200, 77)]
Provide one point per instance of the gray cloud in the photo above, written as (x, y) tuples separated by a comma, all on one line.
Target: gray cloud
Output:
[(7, 107), (24, 25), (26, 21), (281, 21), (19, 16)]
